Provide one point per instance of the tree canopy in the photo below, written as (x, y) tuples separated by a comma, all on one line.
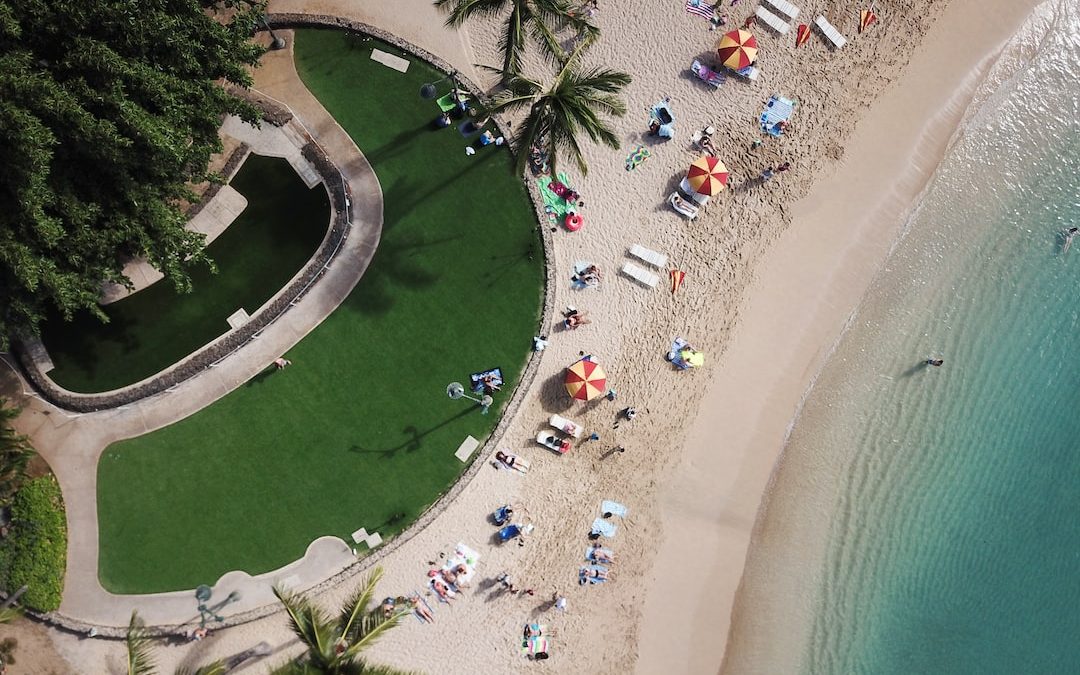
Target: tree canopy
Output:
[(109, 109)]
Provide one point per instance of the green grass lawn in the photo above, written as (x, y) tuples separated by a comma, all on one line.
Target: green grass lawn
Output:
[(149, 331), (358, 432)]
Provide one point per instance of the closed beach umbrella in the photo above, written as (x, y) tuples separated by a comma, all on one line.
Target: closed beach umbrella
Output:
[(707, 175), (802, 35), (866, 17), (586, 380), (737, 49)]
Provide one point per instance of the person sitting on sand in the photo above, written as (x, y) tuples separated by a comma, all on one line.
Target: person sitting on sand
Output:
[(450, 577), (706, 144), (574, 319), (387, 607), (421, 609)]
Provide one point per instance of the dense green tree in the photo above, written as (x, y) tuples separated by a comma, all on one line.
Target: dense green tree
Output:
[(538, 19), (573, 104), (15, 453), (108, 110)]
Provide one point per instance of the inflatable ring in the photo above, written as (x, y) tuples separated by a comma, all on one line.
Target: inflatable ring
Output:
[(573, 222)]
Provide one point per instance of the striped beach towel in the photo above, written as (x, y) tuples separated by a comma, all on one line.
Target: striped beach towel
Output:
[(699, 7)]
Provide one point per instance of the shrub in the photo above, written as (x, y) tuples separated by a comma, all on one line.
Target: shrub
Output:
[(34, 553)]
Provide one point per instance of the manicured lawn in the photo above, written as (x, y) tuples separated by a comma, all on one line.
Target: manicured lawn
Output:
[(358, 432), (149, 331)]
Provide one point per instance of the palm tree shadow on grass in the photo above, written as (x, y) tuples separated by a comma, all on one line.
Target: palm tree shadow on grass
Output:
[(415, 436)]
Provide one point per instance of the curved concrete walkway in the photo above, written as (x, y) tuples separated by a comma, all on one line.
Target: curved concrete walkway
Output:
[(72, 443)]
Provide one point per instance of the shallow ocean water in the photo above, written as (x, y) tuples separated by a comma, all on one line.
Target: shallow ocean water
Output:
[(954, 544)]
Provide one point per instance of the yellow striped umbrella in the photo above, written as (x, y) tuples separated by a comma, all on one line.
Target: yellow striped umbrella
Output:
[(737, 49), (707, 175), (586, 380)]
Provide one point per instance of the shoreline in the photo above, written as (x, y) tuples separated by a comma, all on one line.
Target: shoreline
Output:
[(804, 293)]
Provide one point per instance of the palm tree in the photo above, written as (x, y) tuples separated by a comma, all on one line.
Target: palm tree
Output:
[(334, 643), (15, 452), (141, 656), (572, 105), (540, 19)]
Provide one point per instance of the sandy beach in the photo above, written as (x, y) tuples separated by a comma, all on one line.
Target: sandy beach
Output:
[(774, 270)]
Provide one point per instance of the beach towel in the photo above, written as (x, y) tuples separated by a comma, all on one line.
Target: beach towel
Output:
[(700, 8), (531, 646), (470, 556), (777, 110), (639, 155), (614, 508), (583, 577), (556, 206), (477, 379), (603, 527), (447, 103)]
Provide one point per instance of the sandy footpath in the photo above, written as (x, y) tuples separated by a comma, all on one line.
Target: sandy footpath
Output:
[(692, 488)]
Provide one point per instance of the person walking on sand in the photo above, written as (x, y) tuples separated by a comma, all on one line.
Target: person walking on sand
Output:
[(280, 362), (558, 601), (934, 362)]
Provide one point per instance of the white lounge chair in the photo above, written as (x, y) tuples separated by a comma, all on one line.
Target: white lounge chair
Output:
[(682, 206), (749, 73), (771, 20), (785, 8), (639, 273), (829, 32), (691, 193), (568, 427), (648, 255)]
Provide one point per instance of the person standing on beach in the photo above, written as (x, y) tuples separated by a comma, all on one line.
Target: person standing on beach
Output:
[(934, 362), (280, 362)]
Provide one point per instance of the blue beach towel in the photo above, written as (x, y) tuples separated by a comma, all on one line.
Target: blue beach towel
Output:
[(603, 527), (614, 508), (583, 578), (777, 110)]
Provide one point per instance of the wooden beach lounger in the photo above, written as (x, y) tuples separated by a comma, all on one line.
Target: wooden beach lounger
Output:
[(785, 8), (830, 33), (639, 273), (771, 20), (648, 255)]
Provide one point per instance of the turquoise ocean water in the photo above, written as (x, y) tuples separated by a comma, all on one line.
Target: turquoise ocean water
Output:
[(954, 545)]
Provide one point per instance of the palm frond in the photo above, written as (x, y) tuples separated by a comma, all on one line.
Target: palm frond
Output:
[(370, 628), (369, 669), (308, 622), (463, 10), (215, 668), (512, 40), (140, 660), (349, 618), (9, 614), (531, 133), (542, 33)]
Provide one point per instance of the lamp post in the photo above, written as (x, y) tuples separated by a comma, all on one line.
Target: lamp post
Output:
[(275, 41), (429, 90), (455, 391)]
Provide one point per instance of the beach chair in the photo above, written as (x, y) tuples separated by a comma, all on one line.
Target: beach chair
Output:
[(553, 442), (771, 20), (566, 426), (648, 255), (639, 273), (682, 206), (830, 33), (748, 73), (693, 194), (784, 8), (706, 74)]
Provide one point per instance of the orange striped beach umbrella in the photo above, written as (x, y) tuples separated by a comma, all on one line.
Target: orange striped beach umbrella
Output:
[(586, 380), (737, 49), (707, 175)]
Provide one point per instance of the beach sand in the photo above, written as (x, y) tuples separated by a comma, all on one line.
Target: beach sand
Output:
[(763, 298)]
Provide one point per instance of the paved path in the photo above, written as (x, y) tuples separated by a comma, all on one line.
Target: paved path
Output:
[(72, 443)]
